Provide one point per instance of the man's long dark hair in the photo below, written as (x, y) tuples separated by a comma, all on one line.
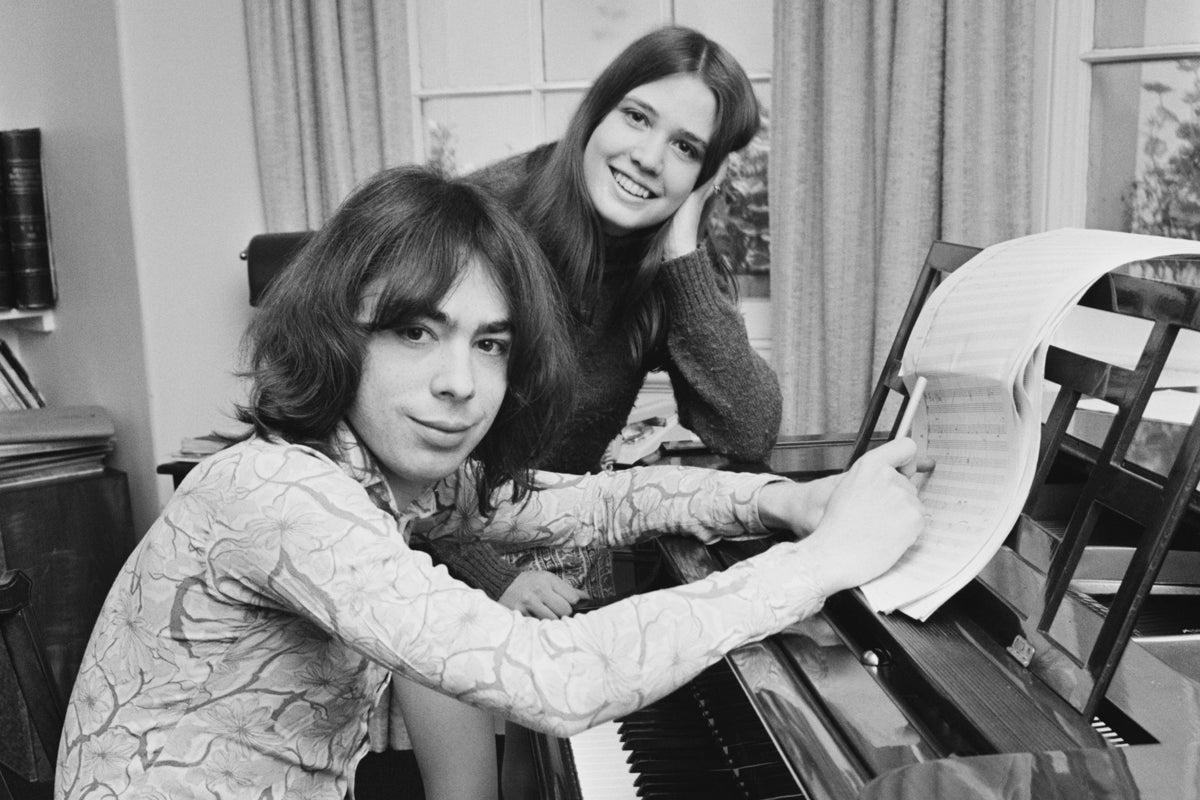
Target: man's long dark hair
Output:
[(557, 206), (412, 233)]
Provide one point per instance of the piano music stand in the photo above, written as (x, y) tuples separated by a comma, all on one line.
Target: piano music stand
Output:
[(1156, 503), (1077, 661), (942, 259)]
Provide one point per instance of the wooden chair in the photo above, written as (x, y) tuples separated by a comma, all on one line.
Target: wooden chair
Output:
[(43, 706)]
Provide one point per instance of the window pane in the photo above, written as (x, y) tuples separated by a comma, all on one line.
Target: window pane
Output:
[(1138, 23), (1145, 148), (559, 108), (582, 36), (472, 132), (743, 27), (469, 43)]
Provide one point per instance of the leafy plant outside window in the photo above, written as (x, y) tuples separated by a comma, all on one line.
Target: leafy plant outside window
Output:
[(739, 222)]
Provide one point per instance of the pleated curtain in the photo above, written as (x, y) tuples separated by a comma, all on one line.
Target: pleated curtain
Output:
[(894, 123), (331, 94)]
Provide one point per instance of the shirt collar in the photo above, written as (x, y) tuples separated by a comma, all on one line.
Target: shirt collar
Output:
[(358, 462)]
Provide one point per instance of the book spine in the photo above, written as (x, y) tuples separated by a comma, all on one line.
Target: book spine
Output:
[(9, 360), (17, 388), (9, 399), (7, 288), (27, 219)]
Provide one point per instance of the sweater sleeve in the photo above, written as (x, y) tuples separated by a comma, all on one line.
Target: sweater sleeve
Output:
[(476, 563), (726, 393)]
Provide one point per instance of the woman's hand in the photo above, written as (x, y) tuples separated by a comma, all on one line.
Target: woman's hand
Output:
[(684, 234), (541, 594), (862, 521)]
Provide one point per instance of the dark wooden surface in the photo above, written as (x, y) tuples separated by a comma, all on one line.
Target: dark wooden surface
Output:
[(70, 537)]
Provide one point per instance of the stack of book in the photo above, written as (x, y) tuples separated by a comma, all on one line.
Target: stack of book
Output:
[(43, 444), (196, 448)]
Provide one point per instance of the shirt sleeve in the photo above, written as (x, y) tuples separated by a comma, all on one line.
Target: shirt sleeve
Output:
[(610, 508), (304, 537), (726, 393)]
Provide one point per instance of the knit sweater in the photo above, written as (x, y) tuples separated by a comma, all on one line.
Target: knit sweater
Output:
[(725, 392)]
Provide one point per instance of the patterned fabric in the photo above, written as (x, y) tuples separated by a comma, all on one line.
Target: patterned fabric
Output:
[(255, 625)]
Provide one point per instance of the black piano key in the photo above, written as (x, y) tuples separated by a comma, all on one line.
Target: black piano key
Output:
[(705, 741)]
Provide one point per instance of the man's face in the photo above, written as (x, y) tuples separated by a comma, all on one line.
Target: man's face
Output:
[(431, 390)]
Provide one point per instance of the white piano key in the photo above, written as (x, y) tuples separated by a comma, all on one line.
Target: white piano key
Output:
[(600, 764)]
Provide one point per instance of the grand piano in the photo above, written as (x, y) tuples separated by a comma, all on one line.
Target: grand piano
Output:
[(1068, 668)]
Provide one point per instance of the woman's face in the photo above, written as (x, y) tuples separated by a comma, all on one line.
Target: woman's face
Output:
[(644, 157)]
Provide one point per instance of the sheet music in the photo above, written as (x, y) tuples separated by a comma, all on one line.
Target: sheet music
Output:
[(980, 342)]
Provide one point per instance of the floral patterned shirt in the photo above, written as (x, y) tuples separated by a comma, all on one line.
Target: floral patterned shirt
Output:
[(254, 626)]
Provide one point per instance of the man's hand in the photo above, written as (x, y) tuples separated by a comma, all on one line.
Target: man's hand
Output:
[(541, 594), (862, 521)]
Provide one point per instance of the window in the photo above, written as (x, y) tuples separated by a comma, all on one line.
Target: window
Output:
[(494, 79), (1144, 170), (1119, 84), (1122, 76)]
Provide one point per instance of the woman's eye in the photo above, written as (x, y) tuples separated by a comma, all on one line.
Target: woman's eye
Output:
[(688, 150), (634, 116)]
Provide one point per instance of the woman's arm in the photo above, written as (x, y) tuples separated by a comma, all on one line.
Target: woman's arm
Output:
[(725, 391), (532, 592)]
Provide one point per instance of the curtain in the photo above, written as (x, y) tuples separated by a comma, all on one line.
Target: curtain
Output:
[(330, 88), (894, 123)]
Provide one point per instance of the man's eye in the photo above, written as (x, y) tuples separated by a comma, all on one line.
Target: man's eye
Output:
[(496, 347), (412, 334)]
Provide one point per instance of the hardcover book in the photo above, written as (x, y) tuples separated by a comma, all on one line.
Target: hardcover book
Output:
[(7, 293), (26, 219)]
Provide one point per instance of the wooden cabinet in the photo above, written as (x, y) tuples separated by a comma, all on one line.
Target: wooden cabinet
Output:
[(70, 536)]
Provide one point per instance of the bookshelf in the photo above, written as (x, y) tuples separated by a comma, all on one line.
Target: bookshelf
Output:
[(41, 320)]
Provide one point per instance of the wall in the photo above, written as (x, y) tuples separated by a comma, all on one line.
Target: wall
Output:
[(145, 112), (195, 204)]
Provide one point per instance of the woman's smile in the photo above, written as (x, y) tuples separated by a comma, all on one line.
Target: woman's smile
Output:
[(643, 159)]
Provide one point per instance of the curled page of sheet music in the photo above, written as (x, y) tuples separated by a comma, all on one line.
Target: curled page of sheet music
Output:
[(980, 342)]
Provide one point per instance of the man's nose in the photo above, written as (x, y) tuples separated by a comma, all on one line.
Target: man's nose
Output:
[(455, 373)]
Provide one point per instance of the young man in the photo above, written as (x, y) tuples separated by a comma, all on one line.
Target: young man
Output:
[(408, 367)]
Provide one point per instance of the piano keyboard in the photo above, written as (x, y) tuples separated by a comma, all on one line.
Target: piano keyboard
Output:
[(703, 741), (601, 765)]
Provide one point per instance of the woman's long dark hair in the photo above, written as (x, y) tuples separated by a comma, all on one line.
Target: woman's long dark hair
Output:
[(557, 206), (412, 233)]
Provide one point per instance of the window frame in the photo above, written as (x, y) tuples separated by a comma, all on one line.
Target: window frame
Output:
[(1065, 54)]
